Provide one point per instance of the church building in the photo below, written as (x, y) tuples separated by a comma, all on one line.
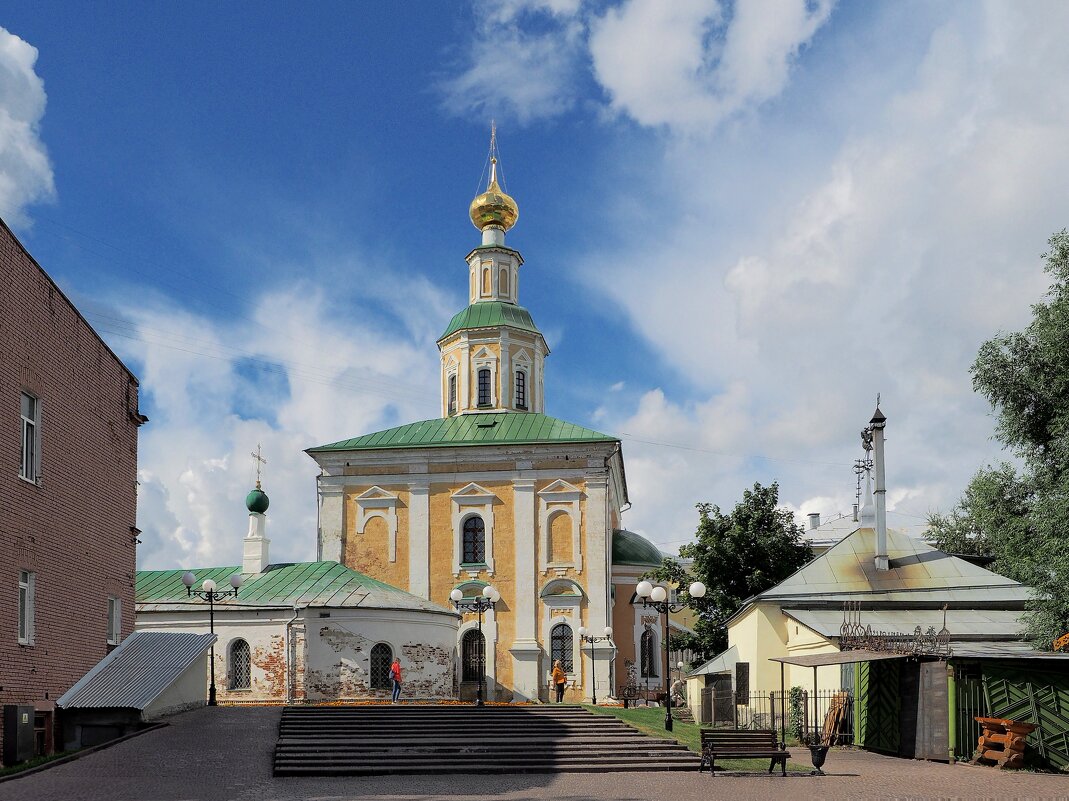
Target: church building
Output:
[(494, 492)]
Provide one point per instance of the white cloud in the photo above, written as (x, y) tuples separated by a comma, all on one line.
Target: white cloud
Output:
[(25, 171), (916, 238), (321, 375), (514, 70), (687, 65)]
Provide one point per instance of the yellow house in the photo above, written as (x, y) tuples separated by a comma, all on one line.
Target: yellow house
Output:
[(494, 492)]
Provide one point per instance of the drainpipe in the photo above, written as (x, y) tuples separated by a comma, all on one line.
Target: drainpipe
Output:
[(952, 722), (289, 656)]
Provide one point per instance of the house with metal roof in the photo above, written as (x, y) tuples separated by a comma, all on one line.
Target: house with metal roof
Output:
[(316, 631), (493, 493)]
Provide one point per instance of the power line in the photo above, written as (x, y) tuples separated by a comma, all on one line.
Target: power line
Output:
[(729, 453)]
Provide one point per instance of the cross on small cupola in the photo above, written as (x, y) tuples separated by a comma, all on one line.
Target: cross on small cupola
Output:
[(260, 461)]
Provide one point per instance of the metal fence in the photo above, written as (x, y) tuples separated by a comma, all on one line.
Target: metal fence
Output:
[(830, 719)]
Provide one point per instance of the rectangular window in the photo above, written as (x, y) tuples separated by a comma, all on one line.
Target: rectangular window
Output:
[(114, 621), (452, 394), (484, 387), (26, 582), (29, 465), (521, 389)]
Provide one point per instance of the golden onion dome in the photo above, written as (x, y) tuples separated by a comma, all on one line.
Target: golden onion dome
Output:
[(494, 207)]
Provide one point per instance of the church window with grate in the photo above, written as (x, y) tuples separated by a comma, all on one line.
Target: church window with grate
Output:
[(561, 646), (381, 659), (240, 665), (474, 551)]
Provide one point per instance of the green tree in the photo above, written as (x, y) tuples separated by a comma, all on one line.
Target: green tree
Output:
[(1022, 518), (736, 556)]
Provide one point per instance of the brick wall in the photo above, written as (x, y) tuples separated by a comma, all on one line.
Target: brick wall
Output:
[(73, 528)]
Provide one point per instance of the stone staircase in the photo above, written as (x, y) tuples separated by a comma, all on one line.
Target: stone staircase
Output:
[(422, 739)]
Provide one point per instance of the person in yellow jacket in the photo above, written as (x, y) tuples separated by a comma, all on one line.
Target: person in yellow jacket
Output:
[(560, 680)]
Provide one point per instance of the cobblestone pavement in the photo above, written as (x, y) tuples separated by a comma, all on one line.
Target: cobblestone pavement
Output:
[(224, 754)]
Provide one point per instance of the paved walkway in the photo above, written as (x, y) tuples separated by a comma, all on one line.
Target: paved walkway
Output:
[(224, 754)]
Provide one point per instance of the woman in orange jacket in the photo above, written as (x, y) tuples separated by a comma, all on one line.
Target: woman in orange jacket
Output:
[(560, 680)]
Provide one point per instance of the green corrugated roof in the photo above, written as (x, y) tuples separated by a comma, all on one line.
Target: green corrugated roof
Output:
[(629, 548), (485, 428), (490, 315), (301, 583)]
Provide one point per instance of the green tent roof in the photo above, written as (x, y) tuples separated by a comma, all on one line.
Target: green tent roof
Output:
[(629, 548), (300, 583), (484, 428), (491, 314)]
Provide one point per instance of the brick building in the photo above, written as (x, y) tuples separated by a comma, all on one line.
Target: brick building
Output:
[(68, 475)]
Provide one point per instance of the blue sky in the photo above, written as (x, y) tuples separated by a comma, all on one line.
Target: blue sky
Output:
[(740, 222)]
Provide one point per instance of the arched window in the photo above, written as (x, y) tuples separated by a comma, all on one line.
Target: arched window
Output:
[(650, 657), (240, 665), (473, 655), (484, 386), (521, 389), (503, 288), (452, 394), (381, 658), (486, 282), (561, 646), (474, 550)]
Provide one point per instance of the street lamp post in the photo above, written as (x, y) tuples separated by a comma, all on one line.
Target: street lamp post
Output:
[(210, 594), (478, 604), (587, 636), (657, 598)]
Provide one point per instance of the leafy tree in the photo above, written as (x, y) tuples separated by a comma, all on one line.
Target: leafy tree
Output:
[(991, 519), (736, 556), (1022, 518)]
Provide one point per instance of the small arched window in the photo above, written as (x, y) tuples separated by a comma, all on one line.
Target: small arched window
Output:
[(473, 655), (649, 656), (474, 550), (503, 288), (240, 665), (381, 658), (561, 645), (521, 389), (484, 386), (486, 282), (452, 394)]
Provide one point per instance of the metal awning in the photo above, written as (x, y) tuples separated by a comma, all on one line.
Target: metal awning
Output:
[(836, 658)]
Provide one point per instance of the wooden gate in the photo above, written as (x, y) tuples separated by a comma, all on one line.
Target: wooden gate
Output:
[(1033, 696), (878, 704)]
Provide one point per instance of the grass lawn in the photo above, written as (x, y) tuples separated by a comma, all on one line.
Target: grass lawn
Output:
[(650, 720)]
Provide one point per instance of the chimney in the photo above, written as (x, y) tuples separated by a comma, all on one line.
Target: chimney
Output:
[(814, 520), (255, 559), (877, 424)]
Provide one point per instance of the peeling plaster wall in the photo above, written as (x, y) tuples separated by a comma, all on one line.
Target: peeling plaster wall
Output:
[(339, 653), (331, 654)]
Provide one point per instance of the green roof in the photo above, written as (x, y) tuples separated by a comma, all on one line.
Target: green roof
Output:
[(301, 583), (484, 428), (629, 548), (491, 314)]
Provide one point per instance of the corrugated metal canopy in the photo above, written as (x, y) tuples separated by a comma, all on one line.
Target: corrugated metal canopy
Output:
[(835, 658), (721, 663), (964, 624), (484, 428), (134, 674)]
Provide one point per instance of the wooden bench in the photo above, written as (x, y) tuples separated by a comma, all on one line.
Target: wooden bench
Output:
[(741, 744)]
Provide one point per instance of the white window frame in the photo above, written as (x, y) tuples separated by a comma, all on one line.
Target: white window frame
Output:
[(114, 620), (27, 580), (30, 463)]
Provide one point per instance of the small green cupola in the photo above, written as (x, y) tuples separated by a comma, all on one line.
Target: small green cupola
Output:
[(257, 500)]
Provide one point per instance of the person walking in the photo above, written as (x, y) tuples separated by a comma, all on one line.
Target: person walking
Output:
[(395, 676), (560, 680)]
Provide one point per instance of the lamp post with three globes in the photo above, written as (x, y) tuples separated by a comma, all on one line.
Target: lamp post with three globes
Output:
[(657, 598), (479, 604), (210, 594)]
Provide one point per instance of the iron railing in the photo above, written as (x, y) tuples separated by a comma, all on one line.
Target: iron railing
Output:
[(831, 720)]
